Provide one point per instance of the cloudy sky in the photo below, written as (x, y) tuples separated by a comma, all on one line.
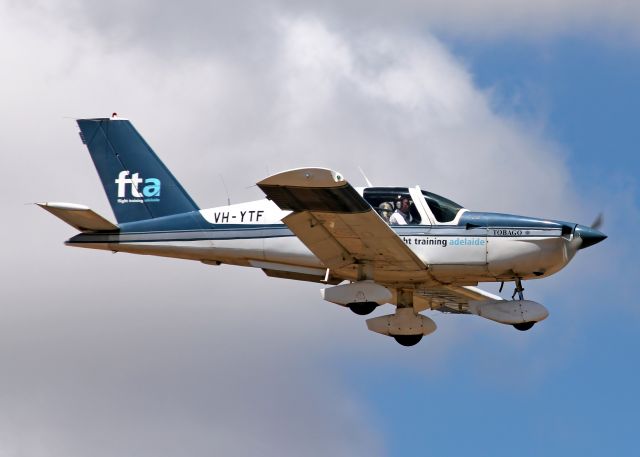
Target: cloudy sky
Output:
[(511, 106)]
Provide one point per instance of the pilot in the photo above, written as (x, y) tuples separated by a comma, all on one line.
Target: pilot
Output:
[(402, 215), (385, 209)]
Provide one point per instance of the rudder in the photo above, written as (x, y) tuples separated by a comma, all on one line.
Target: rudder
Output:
[(138, 185)]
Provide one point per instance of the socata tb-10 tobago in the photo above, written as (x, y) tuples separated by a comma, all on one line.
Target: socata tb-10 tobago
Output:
[(314, 226)]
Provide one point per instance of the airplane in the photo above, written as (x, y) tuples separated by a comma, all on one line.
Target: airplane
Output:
[(368, 246)]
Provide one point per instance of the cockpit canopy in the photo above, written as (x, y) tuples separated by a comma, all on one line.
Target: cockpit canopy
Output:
[(386, 200)]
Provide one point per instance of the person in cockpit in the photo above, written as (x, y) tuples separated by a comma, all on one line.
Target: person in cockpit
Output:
[(402, 214), (385, 209)]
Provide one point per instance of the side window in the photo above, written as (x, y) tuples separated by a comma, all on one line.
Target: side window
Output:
[(388, 203)]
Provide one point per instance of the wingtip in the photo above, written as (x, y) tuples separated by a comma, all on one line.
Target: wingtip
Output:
[(63, 205), (305, 177)]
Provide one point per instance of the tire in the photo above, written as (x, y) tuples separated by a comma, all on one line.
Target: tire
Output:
[(408, 340), (363, 308), (524, 326)]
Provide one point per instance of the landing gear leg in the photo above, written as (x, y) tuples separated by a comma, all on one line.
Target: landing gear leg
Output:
[(523, 326), (518, 290), (404, 298)]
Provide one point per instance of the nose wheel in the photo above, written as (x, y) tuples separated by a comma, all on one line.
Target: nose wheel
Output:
[(519, 290)]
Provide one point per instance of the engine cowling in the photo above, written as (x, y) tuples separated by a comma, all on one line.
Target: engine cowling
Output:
[(509, 311)]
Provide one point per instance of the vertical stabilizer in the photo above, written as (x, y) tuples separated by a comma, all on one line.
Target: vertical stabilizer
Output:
[(138, 185)]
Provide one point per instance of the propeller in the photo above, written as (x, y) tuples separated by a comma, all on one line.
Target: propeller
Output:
[(598, 222), (590, 235)]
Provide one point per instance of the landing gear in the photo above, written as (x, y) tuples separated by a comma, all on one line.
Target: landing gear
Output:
[(524, 326), (406, 325), (363, 308), (518, 290), (408, 340)]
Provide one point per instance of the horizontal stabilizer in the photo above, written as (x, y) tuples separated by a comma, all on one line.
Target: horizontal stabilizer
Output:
[(79, 216)]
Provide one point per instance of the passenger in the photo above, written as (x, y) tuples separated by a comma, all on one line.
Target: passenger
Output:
[(402, 215), (385, 209)]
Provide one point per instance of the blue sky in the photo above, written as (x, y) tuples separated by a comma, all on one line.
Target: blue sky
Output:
[(513, 106), (585, 89)]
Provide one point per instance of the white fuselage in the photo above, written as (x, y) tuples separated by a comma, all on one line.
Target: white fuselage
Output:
[(252, 234)]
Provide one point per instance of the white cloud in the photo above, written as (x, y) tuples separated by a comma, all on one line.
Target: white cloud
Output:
[(405, 110), (216, 25)]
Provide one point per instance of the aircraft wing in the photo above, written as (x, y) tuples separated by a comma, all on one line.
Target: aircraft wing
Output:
[(450, 298), (335, 222)]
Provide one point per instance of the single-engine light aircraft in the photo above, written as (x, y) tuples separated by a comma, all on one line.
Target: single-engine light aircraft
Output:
[(368, 246)]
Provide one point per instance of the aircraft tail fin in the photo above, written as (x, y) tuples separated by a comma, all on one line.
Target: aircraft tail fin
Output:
[(138, 185)]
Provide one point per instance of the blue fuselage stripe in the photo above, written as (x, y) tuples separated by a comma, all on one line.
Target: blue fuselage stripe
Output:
[(279, 231), (191, 226)]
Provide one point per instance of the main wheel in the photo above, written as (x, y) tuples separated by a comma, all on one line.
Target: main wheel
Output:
[(408, 340), (363, 308), (524, 326)]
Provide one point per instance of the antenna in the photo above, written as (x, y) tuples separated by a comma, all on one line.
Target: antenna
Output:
[(225, 190), (365, 177)]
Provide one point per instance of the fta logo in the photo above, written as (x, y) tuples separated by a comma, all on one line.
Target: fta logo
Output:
[(142, 190)]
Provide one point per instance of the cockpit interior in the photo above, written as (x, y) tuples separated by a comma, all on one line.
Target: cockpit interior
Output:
[(424, 208)]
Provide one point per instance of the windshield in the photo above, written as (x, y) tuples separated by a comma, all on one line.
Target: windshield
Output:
[(444, 210)]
